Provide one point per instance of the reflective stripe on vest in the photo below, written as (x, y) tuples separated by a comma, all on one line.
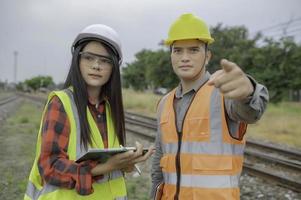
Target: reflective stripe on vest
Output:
[(201, 193), (31, 191), (204, 148), (114, 182), (210, 160), (121, 198), (202, 181)]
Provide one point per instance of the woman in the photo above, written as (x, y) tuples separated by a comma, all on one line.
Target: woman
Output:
[(87, 113)]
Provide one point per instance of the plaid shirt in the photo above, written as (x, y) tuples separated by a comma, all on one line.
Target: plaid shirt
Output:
[(54, 165)]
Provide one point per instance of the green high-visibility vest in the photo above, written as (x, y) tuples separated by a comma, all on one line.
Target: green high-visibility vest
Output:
[(112, 186)]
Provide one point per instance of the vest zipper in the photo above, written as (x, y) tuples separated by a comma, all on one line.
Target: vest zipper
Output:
[(178, 165), (178, 158)]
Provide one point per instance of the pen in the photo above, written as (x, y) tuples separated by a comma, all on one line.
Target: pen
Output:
[(136, 166)]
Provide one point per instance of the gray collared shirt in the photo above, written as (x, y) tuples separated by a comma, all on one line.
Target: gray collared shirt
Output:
[(182, 100)]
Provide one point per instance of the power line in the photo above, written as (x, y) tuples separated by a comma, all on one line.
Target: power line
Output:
[(295, 30), (293, 25), (280, 24), (290, 28), (286, 33)]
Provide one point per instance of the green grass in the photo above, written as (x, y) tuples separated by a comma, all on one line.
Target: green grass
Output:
[(281, 123), (138, 188), (141, 102), (17, 150)]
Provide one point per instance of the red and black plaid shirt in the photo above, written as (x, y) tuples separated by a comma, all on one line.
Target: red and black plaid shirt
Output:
[(54, 165)]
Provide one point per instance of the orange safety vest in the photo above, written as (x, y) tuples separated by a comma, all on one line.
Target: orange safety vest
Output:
[(202, 161)]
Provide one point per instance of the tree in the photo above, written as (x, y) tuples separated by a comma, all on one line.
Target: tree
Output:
[(233, 44), (134, 73), (39, 81), (159, 72), (151, 69), (276, 64)]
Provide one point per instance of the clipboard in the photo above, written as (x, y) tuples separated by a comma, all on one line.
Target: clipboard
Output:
[(102, 155)]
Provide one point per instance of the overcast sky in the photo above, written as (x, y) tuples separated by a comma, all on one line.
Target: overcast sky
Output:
[(43, 31)]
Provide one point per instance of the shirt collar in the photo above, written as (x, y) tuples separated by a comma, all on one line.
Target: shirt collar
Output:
[(197, 85), (101, 101)]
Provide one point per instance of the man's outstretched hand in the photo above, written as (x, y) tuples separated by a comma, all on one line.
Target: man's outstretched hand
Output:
[(231, 81)]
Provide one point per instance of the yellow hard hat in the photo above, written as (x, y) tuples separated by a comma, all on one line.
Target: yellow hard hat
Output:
[(188, 26)]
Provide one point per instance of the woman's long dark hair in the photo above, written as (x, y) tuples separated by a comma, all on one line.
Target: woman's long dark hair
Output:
[(111, 90)]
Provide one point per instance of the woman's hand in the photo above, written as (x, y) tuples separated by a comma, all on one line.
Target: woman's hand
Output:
[(139, 157), (118, 161), (128, 169), (123, 161)]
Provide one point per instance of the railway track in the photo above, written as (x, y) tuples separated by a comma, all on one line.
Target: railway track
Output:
[(6, 105), (8, 100), (281, 166)]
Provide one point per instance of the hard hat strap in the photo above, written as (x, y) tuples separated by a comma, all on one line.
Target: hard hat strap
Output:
[(204, 63)]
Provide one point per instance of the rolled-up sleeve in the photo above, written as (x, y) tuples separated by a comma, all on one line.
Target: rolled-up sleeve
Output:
[(156, 171)]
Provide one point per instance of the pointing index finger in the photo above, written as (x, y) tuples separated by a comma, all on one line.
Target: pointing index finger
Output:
[(227, 65)]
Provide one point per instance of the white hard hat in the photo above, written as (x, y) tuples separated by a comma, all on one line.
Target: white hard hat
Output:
[(103, 33)]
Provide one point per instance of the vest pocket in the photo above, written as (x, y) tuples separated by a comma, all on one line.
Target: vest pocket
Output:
[(167, 130), (208, 164), (197, 129)]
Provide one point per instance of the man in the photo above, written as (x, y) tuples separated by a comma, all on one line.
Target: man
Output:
[(201, 123)]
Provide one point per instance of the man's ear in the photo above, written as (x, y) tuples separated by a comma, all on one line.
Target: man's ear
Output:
[(208, 57)]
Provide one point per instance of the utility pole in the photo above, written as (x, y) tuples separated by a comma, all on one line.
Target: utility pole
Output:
[(15, 66)]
